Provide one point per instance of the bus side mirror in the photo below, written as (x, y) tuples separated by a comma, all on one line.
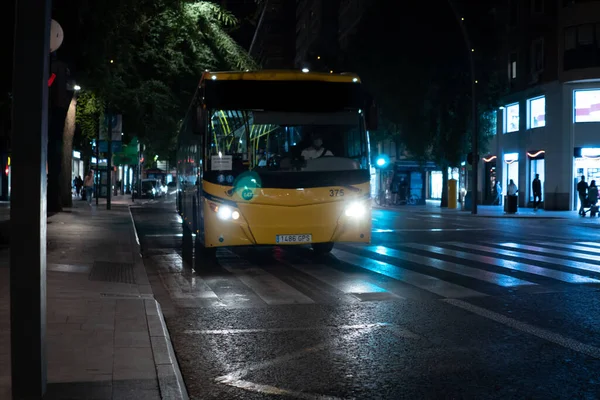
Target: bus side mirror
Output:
[(372, 118), (200, 121)]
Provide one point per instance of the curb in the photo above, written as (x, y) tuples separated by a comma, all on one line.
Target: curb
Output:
[(168, 373)]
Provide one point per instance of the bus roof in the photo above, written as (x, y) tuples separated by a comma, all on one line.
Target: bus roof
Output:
[(281, 75)]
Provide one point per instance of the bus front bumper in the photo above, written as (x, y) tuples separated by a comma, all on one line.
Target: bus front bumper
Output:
[(271, 225)]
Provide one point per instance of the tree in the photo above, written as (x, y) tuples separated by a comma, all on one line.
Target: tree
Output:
[(422, 84), (143, 59)]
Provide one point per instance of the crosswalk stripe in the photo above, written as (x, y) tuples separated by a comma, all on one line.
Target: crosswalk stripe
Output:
[(422, 281), (268, 287), (571, 246), (519, 266), (339, 280), (593, 244), (515, 266), (479, 274), (559, 261)]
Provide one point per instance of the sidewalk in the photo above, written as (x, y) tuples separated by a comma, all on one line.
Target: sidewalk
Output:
[(433, 206), (106, 337)]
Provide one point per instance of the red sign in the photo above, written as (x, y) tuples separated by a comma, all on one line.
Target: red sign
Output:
[(51, 79)]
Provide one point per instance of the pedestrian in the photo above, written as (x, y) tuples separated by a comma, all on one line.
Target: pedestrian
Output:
[(512, 188), (536, 187), (582, 188), (498, 194), (78, 185), (593, 198), (88, 185)]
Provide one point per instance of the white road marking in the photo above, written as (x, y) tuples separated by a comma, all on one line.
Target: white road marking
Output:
[(344, 282), (476, 273), (235, 378), (541, 333), (422, 281), (432, 230), (268, 287), (517, 266), (394, 329), (272, 390)]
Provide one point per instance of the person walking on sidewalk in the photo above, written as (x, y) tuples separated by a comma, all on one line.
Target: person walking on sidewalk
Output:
[(582, 188), (88, 185), (536, 187)]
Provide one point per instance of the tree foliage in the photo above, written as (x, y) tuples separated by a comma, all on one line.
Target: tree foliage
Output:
[(144, 58)]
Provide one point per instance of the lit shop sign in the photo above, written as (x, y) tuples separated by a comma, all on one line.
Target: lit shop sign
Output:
[(590, 152), (93, 160), (76, 154), (536, 154), (488, 159), (510, 158)]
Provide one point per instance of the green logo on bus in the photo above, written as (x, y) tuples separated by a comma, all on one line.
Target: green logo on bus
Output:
[(247, 195)]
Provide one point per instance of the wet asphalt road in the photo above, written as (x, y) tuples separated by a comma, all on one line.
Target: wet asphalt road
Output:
[(438, 307)]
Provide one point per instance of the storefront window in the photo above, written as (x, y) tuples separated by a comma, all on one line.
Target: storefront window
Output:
[(537, 112), (537, 167), (511, 118), (511, 160), (587, 105)]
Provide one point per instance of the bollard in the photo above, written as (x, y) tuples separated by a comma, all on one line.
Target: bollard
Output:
[(452, 193)]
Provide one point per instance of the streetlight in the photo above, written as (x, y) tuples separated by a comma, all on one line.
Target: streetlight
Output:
[(77, 88), (474, 136), (381, 162)]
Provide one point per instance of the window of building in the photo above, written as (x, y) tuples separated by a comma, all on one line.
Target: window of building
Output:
[(586, 105), (513, 13), (511, 118), (512, 66), (537, 6), (570, 38), (585, 34), (537, 55), (536, 109)]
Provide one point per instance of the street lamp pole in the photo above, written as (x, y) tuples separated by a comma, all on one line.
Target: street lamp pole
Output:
[(474, 115), (28, 199)]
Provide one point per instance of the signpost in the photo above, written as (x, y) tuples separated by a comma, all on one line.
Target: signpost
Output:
[(28, 198), (110, 141)]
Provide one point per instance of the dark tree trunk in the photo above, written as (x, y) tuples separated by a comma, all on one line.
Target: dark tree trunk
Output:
[(444, 202), (55, 139)]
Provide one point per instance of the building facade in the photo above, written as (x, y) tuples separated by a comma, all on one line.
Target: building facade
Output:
[(550, 121), (324, 29), (274, 43)]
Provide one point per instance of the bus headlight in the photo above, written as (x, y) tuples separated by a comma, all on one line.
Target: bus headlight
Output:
[(355, 210), (224, 212)]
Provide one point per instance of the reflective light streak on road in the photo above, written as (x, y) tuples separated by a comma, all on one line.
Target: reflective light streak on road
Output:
[(483, 275), (426, 282), (517, 266)]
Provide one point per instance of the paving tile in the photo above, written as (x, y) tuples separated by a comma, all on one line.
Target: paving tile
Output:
[(160, 349), (134, 363), (131, 324), (131, 339), (81, 390)]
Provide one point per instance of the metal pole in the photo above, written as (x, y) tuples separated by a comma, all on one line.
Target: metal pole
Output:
[(109, 164), (260, 21), (475, 122), (97, 175), (28, 199)]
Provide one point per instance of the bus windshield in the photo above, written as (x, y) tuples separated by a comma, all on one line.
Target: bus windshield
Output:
[(289, 141)]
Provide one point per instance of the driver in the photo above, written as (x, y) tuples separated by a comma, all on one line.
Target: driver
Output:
[(316, 150)]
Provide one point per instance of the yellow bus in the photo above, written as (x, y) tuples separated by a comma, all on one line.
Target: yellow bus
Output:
[(276, 158)]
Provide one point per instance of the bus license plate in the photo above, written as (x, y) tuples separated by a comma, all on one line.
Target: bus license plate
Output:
[(293, 238)]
